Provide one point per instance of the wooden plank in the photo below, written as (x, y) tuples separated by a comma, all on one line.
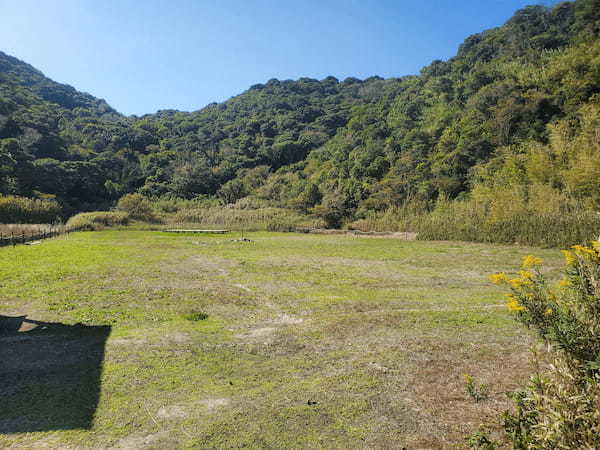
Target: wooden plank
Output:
[(197, 231)]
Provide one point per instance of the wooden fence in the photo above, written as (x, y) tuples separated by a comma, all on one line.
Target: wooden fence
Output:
[(24, 236)]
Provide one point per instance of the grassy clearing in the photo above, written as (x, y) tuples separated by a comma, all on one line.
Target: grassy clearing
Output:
[(310, 341)]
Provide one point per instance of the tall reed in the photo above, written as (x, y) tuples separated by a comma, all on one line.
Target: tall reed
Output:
[(28, 210)]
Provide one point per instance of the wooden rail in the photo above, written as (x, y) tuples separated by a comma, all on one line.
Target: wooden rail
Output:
[(197, 231), (24, 237)]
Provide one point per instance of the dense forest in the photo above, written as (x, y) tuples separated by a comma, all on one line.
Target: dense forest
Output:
[(512, 121)]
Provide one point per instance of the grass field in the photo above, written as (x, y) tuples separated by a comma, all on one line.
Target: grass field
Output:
[(311, 341)]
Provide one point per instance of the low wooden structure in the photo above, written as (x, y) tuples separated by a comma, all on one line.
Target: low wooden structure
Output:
[(198, 231)]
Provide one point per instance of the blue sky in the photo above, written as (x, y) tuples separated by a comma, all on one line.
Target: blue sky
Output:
[(145, 55)]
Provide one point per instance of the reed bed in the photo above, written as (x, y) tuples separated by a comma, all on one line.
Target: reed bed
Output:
[(98, 220), (270, 219), (19, 228), (28, 210), (478, 222)]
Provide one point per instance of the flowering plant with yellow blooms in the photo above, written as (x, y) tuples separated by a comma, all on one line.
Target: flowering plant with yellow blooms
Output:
[(524, 287), (560, 408)]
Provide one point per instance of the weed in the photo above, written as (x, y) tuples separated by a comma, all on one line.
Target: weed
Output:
[(477, 392), (195, 316), (481, 440)]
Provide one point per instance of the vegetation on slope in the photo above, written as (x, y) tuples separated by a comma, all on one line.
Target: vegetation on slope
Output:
[(511, 119)]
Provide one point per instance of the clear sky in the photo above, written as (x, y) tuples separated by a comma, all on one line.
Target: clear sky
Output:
[(145, 55)]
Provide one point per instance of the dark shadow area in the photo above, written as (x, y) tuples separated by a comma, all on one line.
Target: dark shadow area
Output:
[(49, 374)]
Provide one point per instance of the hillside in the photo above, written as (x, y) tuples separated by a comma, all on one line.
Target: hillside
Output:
[(516, 106)]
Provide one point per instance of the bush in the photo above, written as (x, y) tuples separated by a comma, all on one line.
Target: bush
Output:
[(137, 207), (28, 210), (561, 407), (94, 221)]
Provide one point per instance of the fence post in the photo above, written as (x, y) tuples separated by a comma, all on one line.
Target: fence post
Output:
[(12, 238), (23, 236)]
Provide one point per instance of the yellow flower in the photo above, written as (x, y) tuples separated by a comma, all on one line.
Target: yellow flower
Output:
[(525, 274), (569, 257), (582, 250), (519, 282), (564, 283), (596, 245), (549, 312), (499, 278), (513, 305), (531, 261)]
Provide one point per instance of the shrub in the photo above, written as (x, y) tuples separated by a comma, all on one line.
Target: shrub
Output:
[(561, 407), (481, 441), (137, 207), (28, 210), (195, 316), (93, 221)]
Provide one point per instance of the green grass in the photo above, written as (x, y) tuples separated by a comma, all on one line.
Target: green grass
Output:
[(297, 341)]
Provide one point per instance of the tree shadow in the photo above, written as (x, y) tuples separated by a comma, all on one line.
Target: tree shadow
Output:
[(49, 374)]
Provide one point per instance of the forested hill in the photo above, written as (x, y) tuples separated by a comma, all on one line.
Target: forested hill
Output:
[(59, 142), (495, 113)]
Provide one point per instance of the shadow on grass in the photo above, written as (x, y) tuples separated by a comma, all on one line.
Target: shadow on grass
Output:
[(49, 374)]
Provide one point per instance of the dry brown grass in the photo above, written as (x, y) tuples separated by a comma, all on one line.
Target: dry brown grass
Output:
[(17, 229)]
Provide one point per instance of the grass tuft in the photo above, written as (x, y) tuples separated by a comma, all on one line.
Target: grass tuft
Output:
[(195, 316)]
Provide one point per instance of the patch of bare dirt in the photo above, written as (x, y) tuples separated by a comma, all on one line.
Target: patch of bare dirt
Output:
[(256, 333), (176, 338), (286, 319), (204, 406), (242, 287), (139, 441), (274, 324), (127, 341), (212, 404), (172, 412)]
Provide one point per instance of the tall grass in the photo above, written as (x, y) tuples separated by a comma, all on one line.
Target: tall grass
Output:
[(18, 229), (398, 218), (170, 205), (470, 221), (539, 219), (271, 219), (93, 221), (28, 210)]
